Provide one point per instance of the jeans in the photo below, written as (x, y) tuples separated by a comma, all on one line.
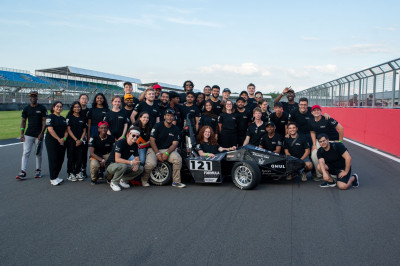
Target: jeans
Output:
[(142, 156)]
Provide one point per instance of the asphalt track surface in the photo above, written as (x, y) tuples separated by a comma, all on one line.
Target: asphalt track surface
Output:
[(278, 223)]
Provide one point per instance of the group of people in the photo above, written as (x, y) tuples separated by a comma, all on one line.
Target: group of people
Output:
[(129, 139)]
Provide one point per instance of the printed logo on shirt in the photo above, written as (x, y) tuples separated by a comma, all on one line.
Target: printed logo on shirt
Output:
[(170, 134), (38, 112), (48, 121), (107, 145), (154, 110), (120, 117), (322, 126)]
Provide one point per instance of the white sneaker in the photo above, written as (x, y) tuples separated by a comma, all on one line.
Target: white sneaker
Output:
[(59, 180), (79, 176), (54, 182), (115, 187), (71, 177), (123, 184)]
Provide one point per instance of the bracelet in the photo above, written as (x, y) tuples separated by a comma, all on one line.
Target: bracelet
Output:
[(167, 153), (81, 139), (158, 153), (207, 154), (340, 141), (22, 128), (103, 161), (123, 136), (64, 138), (132, 163)]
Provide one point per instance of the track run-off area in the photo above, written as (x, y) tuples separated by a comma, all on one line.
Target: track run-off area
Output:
[(278, 223)]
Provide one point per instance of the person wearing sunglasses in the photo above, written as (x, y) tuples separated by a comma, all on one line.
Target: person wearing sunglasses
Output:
[(120, 167), (290, 105)]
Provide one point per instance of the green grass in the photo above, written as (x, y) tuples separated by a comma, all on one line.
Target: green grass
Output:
[(10, 124)]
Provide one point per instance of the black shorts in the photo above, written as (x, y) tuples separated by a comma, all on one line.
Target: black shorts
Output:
[(336, 172)]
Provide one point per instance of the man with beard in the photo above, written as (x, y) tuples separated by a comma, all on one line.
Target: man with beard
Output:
[(187, 86), (36, 115), (207, 92), (174, 104), (148, 106), (290, 105), (128, 107), (163, 104), (297, 146), (217, 107), (243, 120), (164, 140), (128, 88), (271, 141), (157, 92), (190, 108)]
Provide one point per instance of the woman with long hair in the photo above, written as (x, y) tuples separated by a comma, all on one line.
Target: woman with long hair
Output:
[(263, 104), (209, 118), (76, 127), (97, 113), (227, 123), (144, 125), (116, 119), (207, 145), (55, 137)]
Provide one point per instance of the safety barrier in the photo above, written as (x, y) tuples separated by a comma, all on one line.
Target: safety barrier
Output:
[(376, 127)]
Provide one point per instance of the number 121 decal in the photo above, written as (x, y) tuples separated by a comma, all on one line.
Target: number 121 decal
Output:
[(201, 165)]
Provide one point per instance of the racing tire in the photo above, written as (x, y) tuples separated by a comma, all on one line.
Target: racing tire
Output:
[(161, 174), (246, 175)]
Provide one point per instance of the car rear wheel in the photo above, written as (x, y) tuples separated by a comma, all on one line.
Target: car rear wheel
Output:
[(161, 174), (246, 175)]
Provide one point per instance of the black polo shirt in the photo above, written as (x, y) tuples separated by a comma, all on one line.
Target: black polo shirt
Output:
[(327, 126), (35, 119), (255, 133), (297, 147), (164, 136), (270, 144)]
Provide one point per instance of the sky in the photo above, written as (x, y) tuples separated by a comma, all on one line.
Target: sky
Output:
[(272, 44)]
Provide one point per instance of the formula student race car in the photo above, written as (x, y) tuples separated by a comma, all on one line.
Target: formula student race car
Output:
[(246, 165)]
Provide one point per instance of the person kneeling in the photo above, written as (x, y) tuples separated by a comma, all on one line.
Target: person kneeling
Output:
[(120, 167), (164, 138), (334, 162), (208, 145)]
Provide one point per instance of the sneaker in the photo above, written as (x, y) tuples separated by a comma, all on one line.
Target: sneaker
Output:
[(21, 175), (114, 187), (71, 177), (83, 173), (123, 184), (54, 182), (145, 184), (328, 184), (80, 176), (38, 173), (59, 180), (93, 182), (179, 185), (356, 182), (304, 176)]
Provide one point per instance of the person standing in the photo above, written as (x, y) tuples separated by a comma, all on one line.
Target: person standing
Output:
[(251, 101), (148, 106), (128, 107), (76, 127), (83, 100), (290, 105), (227, 125), (55, 141), (263, 104), (243, 120), (207, 92), (217, 106), (189, 107), (280, 119), (187, 86), (208, 118), (256, 130), (36, 115), (116, 119), (96, 114)]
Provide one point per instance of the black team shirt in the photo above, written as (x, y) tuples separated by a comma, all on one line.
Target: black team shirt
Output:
[(301, 120), (327, 126), (124, 149), (102, 147), (97, 115), (217, 107), (152, 110), (35, 117), (255, 133), (208, 148), (59, 125), (76, 124), (270, 143), (297, 147), (280, 122), (288, 108), (164, 136), (208, 120), (333, 157), (242, 120), (116, 122), (228, 122)]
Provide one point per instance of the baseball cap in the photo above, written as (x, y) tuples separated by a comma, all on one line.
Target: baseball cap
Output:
[(316, 107), (290, 90), (156, 87), (128, 96), (33, 93), (102, 123), (226, 90), (270, 123), (240, 99)]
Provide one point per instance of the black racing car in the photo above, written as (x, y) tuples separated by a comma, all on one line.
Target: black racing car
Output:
[(246, 165)]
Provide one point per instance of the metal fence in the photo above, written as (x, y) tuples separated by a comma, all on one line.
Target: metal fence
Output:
[(377, 86)]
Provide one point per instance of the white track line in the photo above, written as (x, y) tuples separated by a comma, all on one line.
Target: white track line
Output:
[(374, 150), (11, 144)]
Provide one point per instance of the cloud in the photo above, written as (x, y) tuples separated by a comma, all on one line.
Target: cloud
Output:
[(309, 38), (246, 69), (194, 22), (385, 28), (363, 49)]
